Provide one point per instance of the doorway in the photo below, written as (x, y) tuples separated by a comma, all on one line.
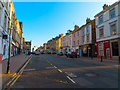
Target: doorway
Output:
[(107, 53)]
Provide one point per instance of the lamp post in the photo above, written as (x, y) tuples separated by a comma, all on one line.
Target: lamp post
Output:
[(8, 64)]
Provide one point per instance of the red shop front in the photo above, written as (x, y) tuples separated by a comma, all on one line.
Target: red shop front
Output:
[(104, 49)]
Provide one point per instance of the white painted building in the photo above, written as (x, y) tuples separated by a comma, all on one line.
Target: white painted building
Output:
[(108, 31), (88, 38), (4, 23)]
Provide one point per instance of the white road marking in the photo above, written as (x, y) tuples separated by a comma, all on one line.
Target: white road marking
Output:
[(55, 67), (71, 74), (59, 70), (70, 79)]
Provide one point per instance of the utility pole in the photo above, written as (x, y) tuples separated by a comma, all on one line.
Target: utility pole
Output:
[(8, 64)]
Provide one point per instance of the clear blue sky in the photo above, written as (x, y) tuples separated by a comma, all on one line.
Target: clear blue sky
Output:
[(45, 20)]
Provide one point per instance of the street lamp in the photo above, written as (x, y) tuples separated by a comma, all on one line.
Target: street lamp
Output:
[(10, 38)]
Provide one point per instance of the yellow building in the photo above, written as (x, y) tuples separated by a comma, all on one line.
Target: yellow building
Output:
[(58, 43)]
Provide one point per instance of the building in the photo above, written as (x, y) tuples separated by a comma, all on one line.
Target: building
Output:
[(45, 47), (88, 31), (9, 23), (27, 47), (75, 39), (51, 44), (4, 32), (108, 31), (58, 43), (66, 42)]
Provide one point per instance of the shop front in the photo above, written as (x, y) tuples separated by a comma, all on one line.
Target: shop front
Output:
[(115, 48), (85, 50), (104, 49)]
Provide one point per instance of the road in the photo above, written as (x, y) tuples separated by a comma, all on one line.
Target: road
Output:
[(52, 71)]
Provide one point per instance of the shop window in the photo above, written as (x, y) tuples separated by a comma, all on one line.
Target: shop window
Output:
[(101, 50), (115, 49)]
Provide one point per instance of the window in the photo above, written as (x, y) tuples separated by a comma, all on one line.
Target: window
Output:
[(88, 38), (83, 31), (78, 42), (77, 33), (112, 13), (83, 39), (74, 34), (101, 19), (101, 51), (5, 19), (74, 43), (88, 29), (69, 42), (115, 49), (4, 49), (101, 33), (113, 29)]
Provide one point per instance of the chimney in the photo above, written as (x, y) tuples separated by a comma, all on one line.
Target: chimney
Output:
[(87, 20), (105, 6), (76, 27)]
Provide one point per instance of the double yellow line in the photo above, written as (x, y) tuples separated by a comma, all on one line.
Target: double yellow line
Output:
[(16, 75)]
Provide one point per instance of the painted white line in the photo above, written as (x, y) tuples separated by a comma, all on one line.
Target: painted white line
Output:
[(70, 79), (59, 70), (70, 74), (55, 67)]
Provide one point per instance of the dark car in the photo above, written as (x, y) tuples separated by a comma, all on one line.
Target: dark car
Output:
[(72, 55), (53, 52), (60, 53), (48, 52)]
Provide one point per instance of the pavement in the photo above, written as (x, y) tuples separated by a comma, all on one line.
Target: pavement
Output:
[(15, 64), (98, 60), (52, 71)]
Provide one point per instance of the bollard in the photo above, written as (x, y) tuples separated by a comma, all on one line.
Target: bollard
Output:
[(101, 59)]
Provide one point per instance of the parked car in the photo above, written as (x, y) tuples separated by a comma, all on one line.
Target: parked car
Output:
[(48, 52), (53, 52), (37, 52), (71, 54), (60, 53)]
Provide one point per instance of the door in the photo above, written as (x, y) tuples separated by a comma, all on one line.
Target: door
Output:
[(107, 53)]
